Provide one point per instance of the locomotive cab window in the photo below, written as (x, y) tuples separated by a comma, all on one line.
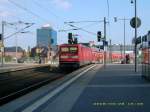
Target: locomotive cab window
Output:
[(73, 49), (64, 49)]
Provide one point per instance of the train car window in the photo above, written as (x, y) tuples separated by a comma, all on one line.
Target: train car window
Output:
[(73, 49), (64, 49)]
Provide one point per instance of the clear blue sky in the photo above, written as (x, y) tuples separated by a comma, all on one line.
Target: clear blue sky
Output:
[(55, 12)]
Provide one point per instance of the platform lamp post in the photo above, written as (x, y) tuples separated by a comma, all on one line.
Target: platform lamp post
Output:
[(135, 10), (124, 29), (135, 23), (105, 42)]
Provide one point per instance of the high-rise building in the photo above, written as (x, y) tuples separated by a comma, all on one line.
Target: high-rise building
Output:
[(46, 36)]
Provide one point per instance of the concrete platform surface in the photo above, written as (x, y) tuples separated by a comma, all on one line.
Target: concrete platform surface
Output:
[(117, 88)]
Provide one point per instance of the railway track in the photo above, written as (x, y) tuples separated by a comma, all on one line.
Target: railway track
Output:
[(18, 83)]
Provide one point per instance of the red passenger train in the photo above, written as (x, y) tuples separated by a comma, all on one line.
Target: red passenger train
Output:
[(146, 62), (76, 55)]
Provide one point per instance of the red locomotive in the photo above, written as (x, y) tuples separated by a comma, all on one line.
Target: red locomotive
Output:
[(76, 55)]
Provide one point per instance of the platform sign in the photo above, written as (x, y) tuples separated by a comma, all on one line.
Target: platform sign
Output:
[(132, 22)]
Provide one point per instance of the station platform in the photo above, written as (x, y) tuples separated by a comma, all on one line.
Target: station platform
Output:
[(116, 88)]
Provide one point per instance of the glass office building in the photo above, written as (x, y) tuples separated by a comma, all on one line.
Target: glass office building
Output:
[(46, 36)]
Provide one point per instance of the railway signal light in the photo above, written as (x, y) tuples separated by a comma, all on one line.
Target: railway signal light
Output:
[(102, 47), (99, 36), (149, 32), (138, 40), (75, 40), (115, 19), (105, 43), (144, 38), (70, 38)]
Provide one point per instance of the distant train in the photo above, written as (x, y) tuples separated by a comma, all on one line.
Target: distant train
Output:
[(146, 62), (76, 55), (146, 55)]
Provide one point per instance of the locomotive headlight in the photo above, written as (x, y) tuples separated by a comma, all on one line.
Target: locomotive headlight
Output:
[(63, 57), (74, 57)]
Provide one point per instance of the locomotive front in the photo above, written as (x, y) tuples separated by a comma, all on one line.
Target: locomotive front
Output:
[(69, 56)]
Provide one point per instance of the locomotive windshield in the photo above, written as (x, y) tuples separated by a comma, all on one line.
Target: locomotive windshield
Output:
[(73, 49), (69, 49), (64, 49)]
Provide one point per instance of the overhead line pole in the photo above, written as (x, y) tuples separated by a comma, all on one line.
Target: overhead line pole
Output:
[(3, 49), (19, 31), (124, 50), (135, 35), (124, 34), (110, 51), (104, 42), (16, 42)]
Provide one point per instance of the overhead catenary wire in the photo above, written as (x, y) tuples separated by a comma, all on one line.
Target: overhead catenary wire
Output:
[(28, 11), (47, 9), (82, 21), (11, 25), (12, 15), (88, 25), (92, 33), (45, 20), (81, 28), (18, 31), (84, 30), (58, 17)]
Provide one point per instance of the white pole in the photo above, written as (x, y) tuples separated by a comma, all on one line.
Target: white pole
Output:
[(16, 42), (135, 35)]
